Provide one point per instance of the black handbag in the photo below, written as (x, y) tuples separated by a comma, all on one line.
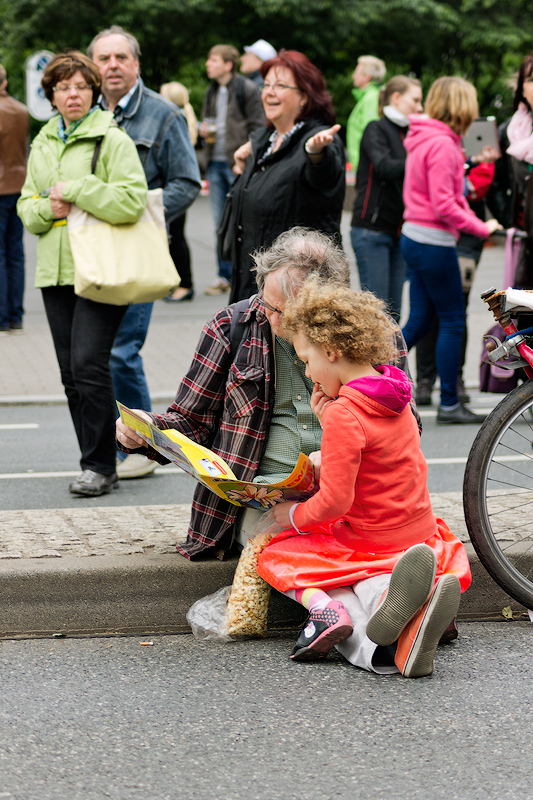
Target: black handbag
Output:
[(226, 228)]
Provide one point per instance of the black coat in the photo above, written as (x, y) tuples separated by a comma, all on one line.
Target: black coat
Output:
[(379, 184), (283, 191)]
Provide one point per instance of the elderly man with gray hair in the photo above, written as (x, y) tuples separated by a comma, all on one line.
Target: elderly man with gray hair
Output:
[(246, 395), (368, 76), (161, 135)]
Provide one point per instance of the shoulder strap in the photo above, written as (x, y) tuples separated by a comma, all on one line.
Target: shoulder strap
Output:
[(237, 328), (96, 153)]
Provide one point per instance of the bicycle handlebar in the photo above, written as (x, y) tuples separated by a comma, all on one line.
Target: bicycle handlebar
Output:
[(516, 235)]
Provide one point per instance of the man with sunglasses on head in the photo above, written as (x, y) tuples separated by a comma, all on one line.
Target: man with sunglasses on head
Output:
[(246, 396), (231, 110)]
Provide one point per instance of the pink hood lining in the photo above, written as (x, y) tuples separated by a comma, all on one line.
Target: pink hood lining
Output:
[(391, 388)]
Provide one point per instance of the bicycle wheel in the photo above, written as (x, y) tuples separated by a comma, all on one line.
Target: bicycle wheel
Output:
[(498, 494)]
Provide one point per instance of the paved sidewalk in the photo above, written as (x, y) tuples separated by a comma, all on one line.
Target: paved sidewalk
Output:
[(116, 568)]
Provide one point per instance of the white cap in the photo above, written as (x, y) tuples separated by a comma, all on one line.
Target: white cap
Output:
[(262, 50)]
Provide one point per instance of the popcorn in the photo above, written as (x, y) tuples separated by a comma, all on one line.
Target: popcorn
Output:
[(246, 612)]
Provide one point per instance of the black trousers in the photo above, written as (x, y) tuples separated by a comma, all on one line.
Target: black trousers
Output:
[(83, 334)]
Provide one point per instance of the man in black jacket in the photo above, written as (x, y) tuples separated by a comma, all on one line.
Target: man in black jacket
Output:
[(232, 109)]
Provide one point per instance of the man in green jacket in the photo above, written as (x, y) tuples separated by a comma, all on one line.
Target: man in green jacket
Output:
[(367, 79)]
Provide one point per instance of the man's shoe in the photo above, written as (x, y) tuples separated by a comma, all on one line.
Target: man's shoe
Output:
[(4, 331), (93, 484), (220, 286), (418, 642), (135, 466), (462, 394), (410, 585), (423, 391), (459, 416), (324, 629)]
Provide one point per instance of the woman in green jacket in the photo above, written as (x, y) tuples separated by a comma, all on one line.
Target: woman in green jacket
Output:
[(60, 173)]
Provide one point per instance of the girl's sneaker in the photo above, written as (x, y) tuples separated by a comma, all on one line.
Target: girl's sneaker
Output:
[(418, 642), (410, 585), (324, 629)]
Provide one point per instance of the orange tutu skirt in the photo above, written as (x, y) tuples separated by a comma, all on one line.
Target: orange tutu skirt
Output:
[(334, 556)]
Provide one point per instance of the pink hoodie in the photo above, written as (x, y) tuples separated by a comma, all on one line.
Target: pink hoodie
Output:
[(433, 190)]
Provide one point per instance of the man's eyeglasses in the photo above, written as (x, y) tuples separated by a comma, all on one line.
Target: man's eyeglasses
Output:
[(276, 87), (78, 87), (270, 308)]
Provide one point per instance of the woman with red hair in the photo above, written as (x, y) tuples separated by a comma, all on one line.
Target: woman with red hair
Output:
[(291, 171)]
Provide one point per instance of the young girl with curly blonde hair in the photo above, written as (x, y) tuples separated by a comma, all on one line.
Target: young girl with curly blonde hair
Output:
[(380, 574)]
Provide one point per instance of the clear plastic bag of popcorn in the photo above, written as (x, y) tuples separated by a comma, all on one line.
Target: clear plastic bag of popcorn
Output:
[(208, 615), (240, 609)]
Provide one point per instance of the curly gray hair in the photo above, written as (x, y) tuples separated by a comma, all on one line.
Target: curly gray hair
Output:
[(301, 252)]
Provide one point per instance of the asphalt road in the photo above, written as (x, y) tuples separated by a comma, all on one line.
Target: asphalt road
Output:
[(90, 719)]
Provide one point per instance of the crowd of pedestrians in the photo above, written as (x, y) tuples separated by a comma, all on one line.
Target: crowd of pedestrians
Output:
[(295, 354)]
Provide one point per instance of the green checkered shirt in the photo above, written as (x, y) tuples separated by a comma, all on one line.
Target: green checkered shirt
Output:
[(294, 428)]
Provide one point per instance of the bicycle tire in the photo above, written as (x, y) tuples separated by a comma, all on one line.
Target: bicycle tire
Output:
[(498, 494)]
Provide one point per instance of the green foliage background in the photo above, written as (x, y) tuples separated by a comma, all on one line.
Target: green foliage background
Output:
[(482, 40)]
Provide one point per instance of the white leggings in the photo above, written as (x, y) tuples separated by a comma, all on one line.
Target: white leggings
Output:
[(361, 600)]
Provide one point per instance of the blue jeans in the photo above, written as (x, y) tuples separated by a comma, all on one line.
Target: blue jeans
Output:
[(220, 177), (126, 363), (11, 261), (436, 290), (381, 266)]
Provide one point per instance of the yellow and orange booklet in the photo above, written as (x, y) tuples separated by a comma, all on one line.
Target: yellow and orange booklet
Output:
[(212, 471)]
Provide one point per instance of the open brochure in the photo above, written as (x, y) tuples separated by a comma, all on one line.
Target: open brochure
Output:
[(212, 471)]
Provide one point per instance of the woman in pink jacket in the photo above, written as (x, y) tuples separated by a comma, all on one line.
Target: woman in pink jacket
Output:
[(436, 211)]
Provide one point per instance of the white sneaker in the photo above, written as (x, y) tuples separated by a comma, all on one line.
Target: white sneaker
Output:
[(135, 466), (220, 286)]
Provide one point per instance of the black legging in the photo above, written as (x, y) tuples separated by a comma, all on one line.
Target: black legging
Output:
[(179, 250)]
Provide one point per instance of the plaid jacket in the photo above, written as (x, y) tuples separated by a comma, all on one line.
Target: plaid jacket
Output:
[(227, 407)]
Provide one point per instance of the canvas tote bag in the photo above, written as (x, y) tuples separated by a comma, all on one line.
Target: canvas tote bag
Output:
[(122, 264)]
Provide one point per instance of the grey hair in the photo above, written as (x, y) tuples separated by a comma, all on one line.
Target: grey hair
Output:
[(3, 74), (374, 67), (300, 252), (116, 29)]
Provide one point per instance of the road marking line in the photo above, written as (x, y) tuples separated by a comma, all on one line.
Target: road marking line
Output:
[(464, 459), (431, 462), (18, 475), (477, 409), (19, 427)]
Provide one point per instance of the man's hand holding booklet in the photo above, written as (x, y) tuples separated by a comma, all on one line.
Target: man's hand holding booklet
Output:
[(212, 471)]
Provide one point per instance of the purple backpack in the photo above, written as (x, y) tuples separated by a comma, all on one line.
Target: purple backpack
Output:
[(492, 378)]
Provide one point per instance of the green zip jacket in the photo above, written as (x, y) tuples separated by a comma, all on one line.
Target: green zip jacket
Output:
[(365, 110), (116, 192)]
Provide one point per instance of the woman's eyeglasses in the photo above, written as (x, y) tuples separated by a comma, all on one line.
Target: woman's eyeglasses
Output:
[(275, 87)]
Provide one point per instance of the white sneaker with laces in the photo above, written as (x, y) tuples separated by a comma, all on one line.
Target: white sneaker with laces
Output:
[(135, 465)]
